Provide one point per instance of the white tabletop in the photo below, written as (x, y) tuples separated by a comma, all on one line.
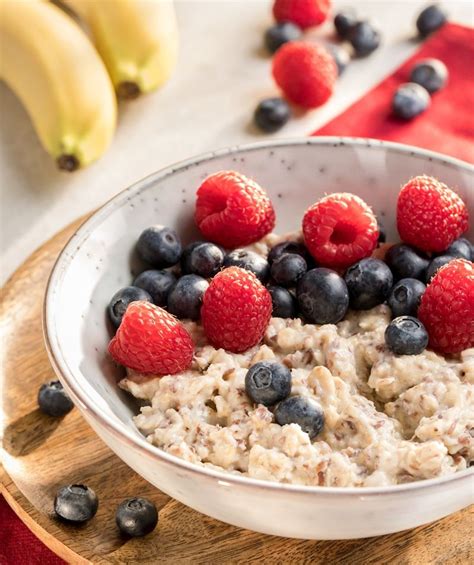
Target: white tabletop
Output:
[(222, 73)]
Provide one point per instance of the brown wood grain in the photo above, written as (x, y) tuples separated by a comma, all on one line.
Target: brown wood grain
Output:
[(40, 454)]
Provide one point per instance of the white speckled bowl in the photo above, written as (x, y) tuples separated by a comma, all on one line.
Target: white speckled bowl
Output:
[(97, 261)]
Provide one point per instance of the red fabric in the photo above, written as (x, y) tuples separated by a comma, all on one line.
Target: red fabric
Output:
[(447, 126), (19, 546)]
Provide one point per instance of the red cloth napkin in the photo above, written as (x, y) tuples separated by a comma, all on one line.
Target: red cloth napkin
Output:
[(447, 126), (19, 546)]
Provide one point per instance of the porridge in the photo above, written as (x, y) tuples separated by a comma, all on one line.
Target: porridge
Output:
[(321, 357), (388, 419)]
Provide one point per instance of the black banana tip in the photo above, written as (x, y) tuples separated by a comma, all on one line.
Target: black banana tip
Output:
[(128, 90), (68, 163)]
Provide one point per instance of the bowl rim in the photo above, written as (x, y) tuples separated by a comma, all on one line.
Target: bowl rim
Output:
[(60, 365)]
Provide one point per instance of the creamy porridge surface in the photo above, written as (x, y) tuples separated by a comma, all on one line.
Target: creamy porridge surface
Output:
[(388, 419)]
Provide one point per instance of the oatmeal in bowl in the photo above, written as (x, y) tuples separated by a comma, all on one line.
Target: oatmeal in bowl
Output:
[(302, 400), (305, 362)]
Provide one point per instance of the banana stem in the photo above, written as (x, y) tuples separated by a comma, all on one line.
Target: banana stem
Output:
[(128, 90), (68, 163)]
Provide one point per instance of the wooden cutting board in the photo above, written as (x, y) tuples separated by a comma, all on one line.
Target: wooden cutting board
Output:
[(41, 454)]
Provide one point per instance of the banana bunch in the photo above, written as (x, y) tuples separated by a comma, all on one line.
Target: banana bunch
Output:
[(66, 87)]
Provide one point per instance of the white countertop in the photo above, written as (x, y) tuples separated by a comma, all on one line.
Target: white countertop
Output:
[(222, 73)]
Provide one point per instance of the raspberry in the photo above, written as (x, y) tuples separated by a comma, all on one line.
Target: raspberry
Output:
[(236, 310), (305, 72), (304, 13), (447, 307), (339, 230), (151, 340), (233, 210), (430, 216)]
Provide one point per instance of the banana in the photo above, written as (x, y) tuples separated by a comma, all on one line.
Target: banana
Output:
[(137, 39), (51, 65)]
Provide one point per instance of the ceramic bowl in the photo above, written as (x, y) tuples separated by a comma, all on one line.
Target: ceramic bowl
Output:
[(98, 260)]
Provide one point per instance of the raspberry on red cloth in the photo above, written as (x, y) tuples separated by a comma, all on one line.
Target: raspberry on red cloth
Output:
[(430, 215), (447, 307), (236, 310), (304, 13), (150, 340), (339, 230), (233, 210), (305, 72)]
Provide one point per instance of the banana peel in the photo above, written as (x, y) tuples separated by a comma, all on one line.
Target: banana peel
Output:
[(137, 40)]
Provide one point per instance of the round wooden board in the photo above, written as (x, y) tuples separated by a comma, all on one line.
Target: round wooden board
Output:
[(40, 454)]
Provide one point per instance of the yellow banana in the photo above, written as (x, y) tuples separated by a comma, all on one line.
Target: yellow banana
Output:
[(51, 65), (137, 39)]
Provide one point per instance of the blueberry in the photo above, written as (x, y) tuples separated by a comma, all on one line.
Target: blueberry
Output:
[(302, 411), (436, 264), (53, 400), (250, 261), (157, 283), (340, 55), (205, 260), (268, 382), (430, 20), (322, 296), (369, 282), (186, 257), (461, 248), (287, 247), (406, 262), (364, 38), (284, 303), (159, 246), (281, 33), (410, 100), (288, 269), (405, 297), (136, 517), (185, 298), (272, 114), (344, 22), (122, 298), (406, 335), (76, 503), (431, 74)]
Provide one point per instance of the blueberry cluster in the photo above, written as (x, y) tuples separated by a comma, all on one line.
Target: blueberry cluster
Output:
[(322, 296), (77, 503), (361, 34), (409, 100), (177, 279), (427, 77), (412, 98), (269, 383), (298, 287), (412, 270)]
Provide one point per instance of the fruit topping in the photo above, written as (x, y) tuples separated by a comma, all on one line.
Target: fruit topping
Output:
[(151, 340), (236, 310), (233, 210), (268, 382), (339, 230)]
